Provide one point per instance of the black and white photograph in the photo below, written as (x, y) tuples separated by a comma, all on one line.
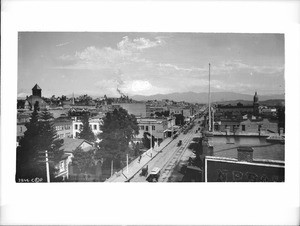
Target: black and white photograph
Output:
[(150, 107), (150, 112)]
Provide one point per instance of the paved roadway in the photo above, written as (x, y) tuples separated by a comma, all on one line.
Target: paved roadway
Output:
[(169, 157), (166, 156)]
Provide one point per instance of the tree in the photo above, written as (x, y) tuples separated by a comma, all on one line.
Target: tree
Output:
[(84, 99), (281, 117), (39, 137), (48, 137), (118, 130), (197, 148), (136, 149), (36, 106), (84, 161), (146, 140), (86, 132), (27, 151), (163, 113), (179, 119)]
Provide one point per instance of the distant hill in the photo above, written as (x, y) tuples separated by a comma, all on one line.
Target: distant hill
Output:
[(193, 97), (272, 102)]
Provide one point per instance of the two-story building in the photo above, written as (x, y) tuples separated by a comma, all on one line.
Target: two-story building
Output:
[(174, 110), (258, 126), (95, 124), (70, 145), (230, 125), (63, 127), (155, 127), (22, 119), (160, 128), (250, 125), (137, 109)]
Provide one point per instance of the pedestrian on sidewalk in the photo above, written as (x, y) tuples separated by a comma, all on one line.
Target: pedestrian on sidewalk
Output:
[(140, 158)]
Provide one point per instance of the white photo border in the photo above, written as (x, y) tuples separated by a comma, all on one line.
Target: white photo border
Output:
[(149, 204)]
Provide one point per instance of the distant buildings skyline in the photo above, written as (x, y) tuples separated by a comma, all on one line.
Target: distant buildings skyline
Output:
[(97, 63)]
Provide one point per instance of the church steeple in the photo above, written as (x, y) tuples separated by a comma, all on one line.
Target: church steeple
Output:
[(73, 99), (37, 91)]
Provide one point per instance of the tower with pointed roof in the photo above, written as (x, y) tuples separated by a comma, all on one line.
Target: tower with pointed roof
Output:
[(36, 91)]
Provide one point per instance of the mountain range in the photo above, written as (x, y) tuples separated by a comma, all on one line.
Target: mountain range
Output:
[(193, 97)]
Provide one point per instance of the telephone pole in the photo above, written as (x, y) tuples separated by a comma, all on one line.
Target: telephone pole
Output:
[(209, 113)]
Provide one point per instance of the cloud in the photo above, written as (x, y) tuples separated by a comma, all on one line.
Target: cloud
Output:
[(236, 65), (139, 44), (62, 44), (177, 68), (23, 95), (127, 68), (128, 51), (129, 87)]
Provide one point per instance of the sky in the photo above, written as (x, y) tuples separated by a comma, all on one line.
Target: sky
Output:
[(99, 63)]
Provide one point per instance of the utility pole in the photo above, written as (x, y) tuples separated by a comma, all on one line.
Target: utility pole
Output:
[(44, 158), (47, 167), (112, 168), (209, 113), (127, 161), (213, 119), (151, 140)]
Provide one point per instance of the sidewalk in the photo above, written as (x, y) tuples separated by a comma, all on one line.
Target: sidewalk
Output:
[(136, 166)]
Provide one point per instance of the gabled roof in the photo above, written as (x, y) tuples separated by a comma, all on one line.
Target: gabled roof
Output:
[(71, 144), (36, 87)]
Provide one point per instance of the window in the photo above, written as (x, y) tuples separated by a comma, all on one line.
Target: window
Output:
[(153, 127), (81, 127), (147, 128), (95, 127), (76, 126), (62, 166), (142, 127), (243, 127)]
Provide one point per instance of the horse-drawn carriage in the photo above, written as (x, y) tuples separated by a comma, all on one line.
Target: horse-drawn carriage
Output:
[(153, 175)]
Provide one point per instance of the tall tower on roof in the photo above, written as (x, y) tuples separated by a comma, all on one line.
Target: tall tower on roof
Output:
[(36, 91), (255, 104)]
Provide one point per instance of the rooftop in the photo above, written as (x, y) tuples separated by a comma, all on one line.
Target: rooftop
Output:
[(36, 87), (70, 144), (227, 147)]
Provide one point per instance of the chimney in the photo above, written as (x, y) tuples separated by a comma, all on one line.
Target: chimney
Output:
[(245, 153), (280, 131)]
